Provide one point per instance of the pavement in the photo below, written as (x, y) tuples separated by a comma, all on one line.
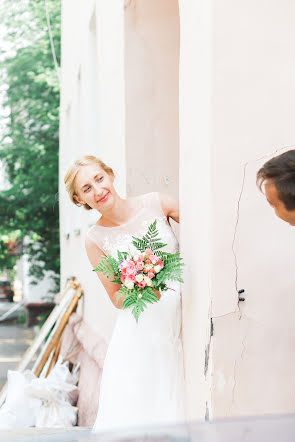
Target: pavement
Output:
[(72, 434), (267, 428), (6, 306), (14, 340)]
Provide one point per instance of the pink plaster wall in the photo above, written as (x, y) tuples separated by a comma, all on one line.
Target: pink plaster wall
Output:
[(151, 93)]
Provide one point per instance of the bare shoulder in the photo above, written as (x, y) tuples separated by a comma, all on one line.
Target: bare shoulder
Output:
[(89, 244), (169, 205), (92, 250)]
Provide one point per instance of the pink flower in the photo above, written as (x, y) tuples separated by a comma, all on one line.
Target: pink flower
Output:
[(161, 263), (123, 277), (139, 265), (130, 269), (142, 284), (151, 274), (148, 261), (132, 278), (131, 265), (148, 252), (140, 258)]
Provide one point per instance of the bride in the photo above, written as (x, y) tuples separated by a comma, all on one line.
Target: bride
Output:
[(142, 382)]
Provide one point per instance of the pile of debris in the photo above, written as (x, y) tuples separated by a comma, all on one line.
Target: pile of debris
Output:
[(51, 393)]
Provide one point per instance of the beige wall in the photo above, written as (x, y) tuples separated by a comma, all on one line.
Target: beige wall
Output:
[(236, 65), (253, 103), (195, 128), (236, 104), (91, 122), (151, 79)]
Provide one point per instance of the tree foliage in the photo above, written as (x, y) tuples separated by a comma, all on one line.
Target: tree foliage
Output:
[(30, 134)]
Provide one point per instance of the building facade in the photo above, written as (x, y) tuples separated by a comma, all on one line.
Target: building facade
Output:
[(190, 98)]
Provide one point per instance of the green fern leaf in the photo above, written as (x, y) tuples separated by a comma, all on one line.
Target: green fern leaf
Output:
[(130, 300)]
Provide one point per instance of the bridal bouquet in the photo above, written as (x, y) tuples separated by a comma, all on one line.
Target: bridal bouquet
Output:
[(141, 272)]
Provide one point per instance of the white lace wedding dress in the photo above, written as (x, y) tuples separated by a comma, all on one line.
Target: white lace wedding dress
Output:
[(142, 380)]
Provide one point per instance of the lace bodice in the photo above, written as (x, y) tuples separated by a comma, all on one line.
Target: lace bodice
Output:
[(111, 239)]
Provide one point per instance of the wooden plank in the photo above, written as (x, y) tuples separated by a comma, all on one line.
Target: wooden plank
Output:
[(65, 301), (56, 335)]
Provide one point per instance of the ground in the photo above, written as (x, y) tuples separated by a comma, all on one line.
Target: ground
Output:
[(14, 340)]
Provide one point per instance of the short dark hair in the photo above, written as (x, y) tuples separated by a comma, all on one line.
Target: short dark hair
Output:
[(280, 170)]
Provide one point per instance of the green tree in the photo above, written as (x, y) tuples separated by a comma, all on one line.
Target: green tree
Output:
[(30, 134)]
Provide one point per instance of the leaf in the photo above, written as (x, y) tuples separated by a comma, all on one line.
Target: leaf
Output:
[(150, 240), (136, 312), (109, 267), (130, 300)]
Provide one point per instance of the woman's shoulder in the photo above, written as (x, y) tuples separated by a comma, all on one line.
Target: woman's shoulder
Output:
[(149, 196), (143, 196), (90, 237), (157, 200), (163, 201), (143, 199)]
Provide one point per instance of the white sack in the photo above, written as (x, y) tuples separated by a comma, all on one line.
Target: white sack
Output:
[(19, 410), (56, 409)]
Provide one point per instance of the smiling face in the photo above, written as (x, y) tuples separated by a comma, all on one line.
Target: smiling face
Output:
[(279, 207), (94, 186)]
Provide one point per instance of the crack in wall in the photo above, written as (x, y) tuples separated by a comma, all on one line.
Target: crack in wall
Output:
[(235, 380), (207, 412), (238, 213), (230, 313), (207, 349), (206, 364), (236, 261), (237, 310)]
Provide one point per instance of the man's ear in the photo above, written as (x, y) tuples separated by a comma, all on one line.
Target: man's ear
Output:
[(76, 198)]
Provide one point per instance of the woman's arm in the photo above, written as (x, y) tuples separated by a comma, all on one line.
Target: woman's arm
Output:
[(170, 206), (95, 254)]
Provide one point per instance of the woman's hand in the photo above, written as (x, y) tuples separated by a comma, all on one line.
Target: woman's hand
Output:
[(157, 293)]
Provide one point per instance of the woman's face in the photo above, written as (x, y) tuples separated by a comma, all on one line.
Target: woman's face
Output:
[(94, 187)]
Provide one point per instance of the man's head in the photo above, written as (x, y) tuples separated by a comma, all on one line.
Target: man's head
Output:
[(278, 177)]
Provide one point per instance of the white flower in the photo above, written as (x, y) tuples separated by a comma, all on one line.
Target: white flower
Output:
[(129, 284), (139, 277), (140, 295), (157, 268), (154, 261), (135, 257), (148, 266), (147, 280)]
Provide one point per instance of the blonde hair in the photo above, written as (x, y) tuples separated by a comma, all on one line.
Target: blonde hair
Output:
[(71, 174)]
